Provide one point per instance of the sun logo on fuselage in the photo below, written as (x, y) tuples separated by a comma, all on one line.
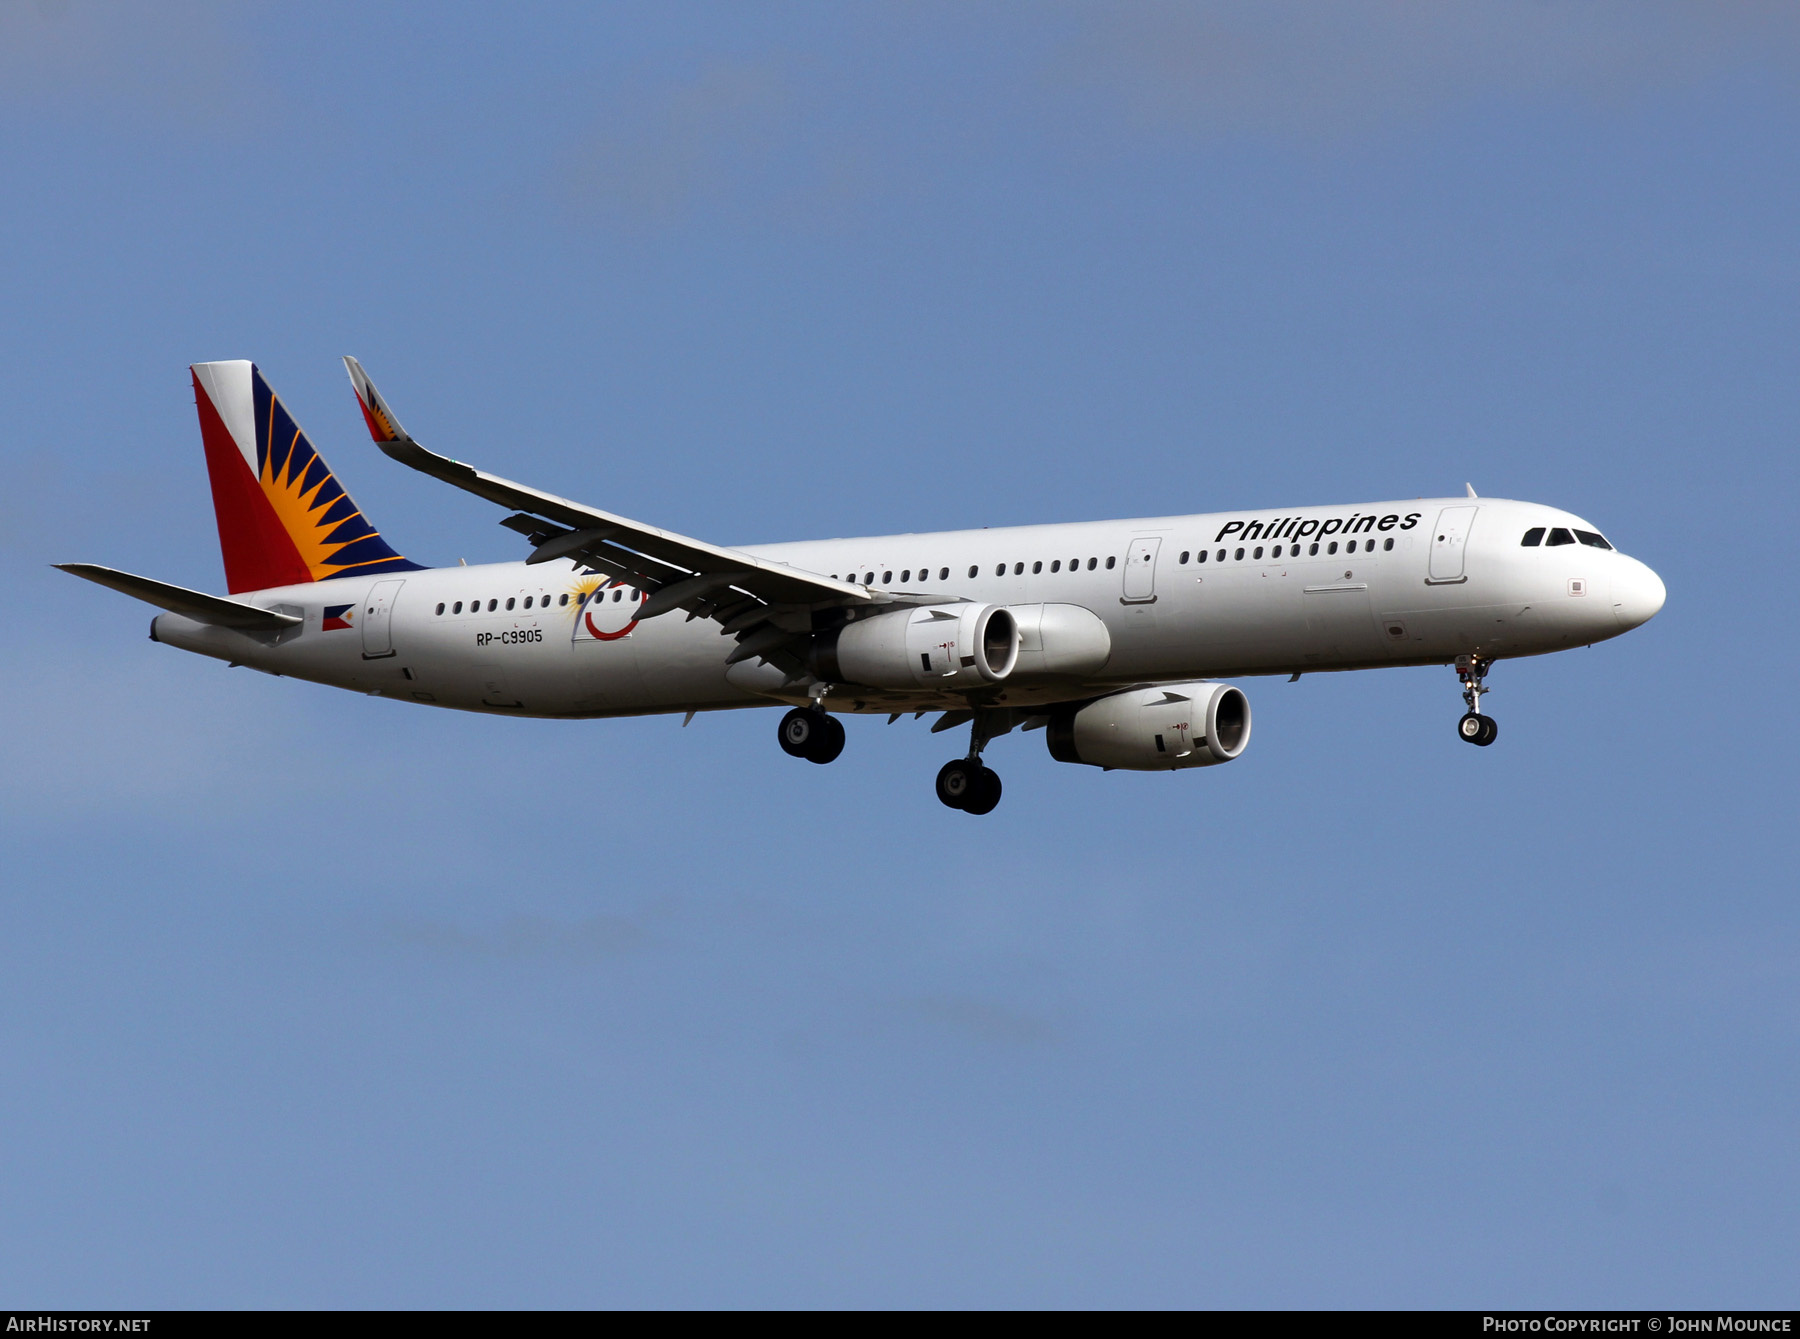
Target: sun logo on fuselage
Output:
[(604, 610)]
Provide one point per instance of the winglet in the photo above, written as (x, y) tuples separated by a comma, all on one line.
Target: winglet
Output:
[(1471, 488), (383, 426)]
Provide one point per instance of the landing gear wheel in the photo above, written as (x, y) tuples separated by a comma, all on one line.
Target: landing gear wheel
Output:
[(807, 732), (956, 782), (1474, 728), (986, 793), (1480, 730), (830, 741), (965, 784)]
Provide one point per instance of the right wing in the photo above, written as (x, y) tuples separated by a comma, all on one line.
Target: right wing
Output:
[(769, 606)]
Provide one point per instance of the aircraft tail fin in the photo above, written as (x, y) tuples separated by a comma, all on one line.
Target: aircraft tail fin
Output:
[(283, 517)]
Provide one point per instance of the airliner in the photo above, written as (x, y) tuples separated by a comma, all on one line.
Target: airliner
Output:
[(1112, 637)]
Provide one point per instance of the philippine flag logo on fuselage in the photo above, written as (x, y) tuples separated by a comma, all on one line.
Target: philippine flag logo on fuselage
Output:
[(336, 616)]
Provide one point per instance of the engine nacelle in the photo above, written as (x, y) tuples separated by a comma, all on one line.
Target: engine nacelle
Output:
[(1154, 729), (1064, 641), (944, 646)]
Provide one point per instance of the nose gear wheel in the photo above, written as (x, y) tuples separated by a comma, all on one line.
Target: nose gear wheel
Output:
[(1474, 728)]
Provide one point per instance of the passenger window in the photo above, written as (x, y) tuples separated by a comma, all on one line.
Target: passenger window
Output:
[(1313, 551), (1200, 557), (1592, 540), (1533, 537), (972, 572), (1111, 562), (562, 599), (1056, 566), (456, 608), (1258, 552), (887, 578), (1331, 547), (1018, 569), (1238, 556), (944, 574), (1000, 569), (1037, 569), (1182, 560), (618, 594), (1559, 536), (528, 602), (1092, 563), (1387, 545), (440, 609), (868, 578), (493, 605)]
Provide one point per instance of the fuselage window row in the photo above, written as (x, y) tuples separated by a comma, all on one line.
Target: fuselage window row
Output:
[(1293, 551), (1018, 569), (543, 601)]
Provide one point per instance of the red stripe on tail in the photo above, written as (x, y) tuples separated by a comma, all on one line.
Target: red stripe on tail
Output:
[(258, 553)]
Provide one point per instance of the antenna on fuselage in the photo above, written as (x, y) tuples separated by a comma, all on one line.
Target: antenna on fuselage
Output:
[(1471, 488)]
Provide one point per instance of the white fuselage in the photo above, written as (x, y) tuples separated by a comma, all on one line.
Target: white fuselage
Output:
[(1296, 600)]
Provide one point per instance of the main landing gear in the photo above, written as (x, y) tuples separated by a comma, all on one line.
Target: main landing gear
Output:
[(811, 733), (964, 783), (967, 785), (1474, 728)]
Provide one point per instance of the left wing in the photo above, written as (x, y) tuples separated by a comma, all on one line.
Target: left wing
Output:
[(769, 606), (194, 604)]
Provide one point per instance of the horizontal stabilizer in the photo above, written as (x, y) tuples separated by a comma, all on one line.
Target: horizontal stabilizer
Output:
[(197, 605)]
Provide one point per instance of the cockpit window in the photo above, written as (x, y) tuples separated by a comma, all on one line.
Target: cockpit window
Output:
[(1559, 536), (1592, 540), (1533, 537)]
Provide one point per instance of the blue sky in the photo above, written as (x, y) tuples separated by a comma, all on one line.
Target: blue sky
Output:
[(314, 999)]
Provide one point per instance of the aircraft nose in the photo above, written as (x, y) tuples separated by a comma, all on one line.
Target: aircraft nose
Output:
[(1637, 594)]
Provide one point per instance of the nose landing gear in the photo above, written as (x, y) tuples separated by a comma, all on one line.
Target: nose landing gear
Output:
[(1474, 728), (811, 733)]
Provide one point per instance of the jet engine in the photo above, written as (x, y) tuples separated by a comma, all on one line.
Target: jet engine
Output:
[(941, 646), (1063, 641), (1157, 729)]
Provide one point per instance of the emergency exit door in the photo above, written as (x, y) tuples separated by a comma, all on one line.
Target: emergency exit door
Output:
[(1140, 570)]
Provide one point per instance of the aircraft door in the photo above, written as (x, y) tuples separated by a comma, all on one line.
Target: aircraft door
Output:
[(377, 620), (1449, 541), (1140, 570)]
